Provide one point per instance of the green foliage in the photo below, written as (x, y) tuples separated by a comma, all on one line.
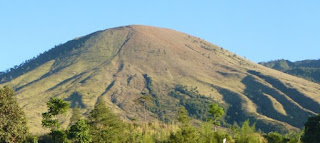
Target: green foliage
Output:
[(186, 133), (147, 138), (281, 65), (59, 136), (105, 126), (311, 74), (46, 138), (13, 125), (55, 107), (148, 81), (247, 134), (195, 103), (208, 135), (146, 133), (76, 115), (247, 129), (312, 130), (31, 139), (274, 137), (307, 69), (216, 113), (183, 116), (294, 137), (150, 101), (79, 132)]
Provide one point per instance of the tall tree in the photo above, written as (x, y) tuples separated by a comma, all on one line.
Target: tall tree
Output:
[(76, 115), (13, 124), (187, 133), (183, 116), (79, 132), (247, 134), (312, 130), (105, 126), (216, 113), (56, 107)]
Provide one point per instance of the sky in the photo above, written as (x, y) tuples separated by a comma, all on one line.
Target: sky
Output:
[(256, 29)]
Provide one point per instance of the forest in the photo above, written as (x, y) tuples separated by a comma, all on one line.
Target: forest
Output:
[(102, 125)]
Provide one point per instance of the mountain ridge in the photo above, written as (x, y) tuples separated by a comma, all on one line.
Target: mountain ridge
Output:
[(307, 69), (147, 72)]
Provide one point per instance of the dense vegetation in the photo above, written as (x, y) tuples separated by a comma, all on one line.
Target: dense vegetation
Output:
[(307, 69), (102, 125), (188, 97), (13, 124), (196, 104)]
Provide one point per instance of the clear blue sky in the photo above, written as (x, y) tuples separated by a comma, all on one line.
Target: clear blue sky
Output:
[(256, 29)]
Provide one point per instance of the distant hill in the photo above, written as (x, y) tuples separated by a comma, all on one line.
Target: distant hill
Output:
[(145, 72), (307, 69)]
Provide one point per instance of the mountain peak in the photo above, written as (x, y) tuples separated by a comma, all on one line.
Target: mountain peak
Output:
[(131, 65)]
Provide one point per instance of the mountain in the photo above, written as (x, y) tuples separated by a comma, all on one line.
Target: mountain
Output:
[(146, 73), (307, 69)]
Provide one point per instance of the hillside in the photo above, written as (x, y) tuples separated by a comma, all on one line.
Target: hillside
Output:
[(307, 69), (136, 67)]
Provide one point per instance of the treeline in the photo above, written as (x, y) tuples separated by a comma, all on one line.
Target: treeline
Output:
[(102, 125)]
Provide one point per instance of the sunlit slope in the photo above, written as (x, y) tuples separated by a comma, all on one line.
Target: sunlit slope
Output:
[(131, 64)]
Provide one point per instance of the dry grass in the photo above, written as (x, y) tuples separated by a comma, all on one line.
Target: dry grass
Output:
[(168, 56)]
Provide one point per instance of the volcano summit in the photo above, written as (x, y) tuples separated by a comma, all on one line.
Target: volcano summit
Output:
[(145, 72)]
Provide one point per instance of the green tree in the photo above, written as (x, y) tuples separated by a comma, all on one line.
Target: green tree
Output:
[(207, 135), (55, 107), (79, 132), (247, 134), (312, 130), (274, 137), (105, 126), (76, 115), (187, 133), (183, 116), (216, 113), (295, 137), (13, 124)]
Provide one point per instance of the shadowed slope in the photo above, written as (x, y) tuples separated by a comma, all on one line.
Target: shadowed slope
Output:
[(307, 69)]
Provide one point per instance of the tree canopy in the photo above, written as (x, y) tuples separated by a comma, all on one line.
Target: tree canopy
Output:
[(76, 115), (105, 126), (55, 106), (79, 132), (312, 130), (13, 123), (216, 113)]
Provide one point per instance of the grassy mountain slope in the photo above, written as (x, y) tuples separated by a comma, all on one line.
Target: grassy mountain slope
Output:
[(307, 69), (135, 67)]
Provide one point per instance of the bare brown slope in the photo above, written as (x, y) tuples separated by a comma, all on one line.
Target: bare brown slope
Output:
[(118, 64)]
